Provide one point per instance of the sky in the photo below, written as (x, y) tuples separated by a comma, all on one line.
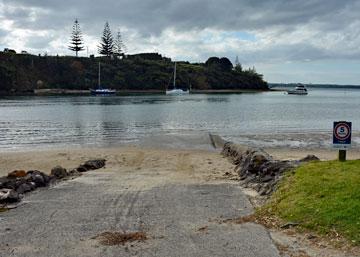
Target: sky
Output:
[(308, 41)]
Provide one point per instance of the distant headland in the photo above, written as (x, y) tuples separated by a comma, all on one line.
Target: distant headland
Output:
[(26, 74)]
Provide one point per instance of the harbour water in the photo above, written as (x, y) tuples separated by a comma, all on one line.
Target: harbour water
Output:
[(269, 119)]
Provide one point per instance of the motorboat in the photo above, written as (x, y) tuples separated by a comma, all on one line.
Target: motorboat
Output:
[(299, 90), (176, 91)]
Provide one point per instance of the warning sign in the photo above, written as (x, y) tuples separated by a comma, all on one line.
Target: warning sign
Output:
[(342, 134)]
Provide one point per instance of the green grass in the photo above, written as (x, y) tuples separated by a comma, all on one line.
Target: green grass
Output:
[(323, 197)]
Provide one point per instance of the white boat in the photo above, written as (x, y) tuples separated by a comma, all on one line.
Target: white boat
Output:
[(299, 90), (176, 91), (102, 91)]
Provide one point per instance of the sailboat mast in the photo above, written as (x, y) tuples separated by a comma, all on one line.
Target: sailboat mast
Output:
[(99, 77), (175, 76)]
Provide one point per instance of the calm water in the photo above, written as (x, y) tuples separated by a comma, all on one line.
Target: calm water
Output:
[(263, 119)]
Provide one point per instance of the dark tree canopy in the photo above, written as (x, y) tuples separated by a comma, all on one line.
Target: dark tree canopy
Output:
[(76, 41), (146, 71), (212, 61), (225, 64), (107, 42), (219, 63)]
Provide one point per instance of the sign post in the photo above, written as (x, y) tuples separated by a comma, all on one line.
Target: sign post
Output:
[(342, 138)]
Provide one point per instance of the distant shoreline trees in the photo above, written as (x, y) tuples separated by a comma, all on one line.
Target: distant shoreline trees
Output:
[(76, 41)]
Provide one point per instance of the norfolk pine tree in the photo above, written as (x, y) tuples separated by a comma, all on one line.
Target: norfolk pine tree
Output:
[(107, 43), (76, 41), (238, 66), (119, 46)]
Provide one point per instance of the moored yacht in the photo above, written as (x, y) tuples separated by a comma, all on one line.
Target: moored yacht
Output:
[(176, 91), (299, 90), (100, 90)]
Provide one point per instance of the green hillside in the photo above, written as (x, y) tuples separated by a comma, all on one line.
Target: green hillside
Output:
[(21, 73)]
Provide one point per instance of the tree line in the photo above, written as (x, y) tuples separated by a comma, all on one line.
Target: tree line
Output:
[(145, 71), (109, 45)]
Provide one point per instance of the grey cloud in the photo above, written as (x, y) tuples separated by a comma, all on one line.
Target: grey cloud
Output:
[(39, 42), (152, 17)]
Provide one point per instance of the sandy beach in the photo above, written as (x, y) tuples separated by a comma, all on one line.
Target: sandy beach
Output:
[(121, 158)]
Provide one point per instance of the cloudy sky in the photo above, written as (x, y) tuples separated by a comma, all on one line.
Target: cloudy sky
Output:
[(309, 41)]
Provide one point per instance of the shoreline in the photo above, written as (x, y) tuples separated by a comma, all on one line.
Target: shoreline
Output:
[(45, 159), (61, 91)]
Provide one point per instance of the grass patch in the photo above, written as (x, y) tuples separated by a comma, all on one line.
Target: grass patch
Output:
[(323, 197)]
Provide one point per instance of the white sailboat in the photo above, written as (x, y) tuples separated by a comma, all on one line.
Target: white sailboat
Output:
[(176, 91), (102, 91)]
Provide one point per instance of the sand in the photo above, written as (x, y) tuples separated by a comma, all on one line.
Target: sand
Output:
[(298, 153), (161, 160), (122, 159)]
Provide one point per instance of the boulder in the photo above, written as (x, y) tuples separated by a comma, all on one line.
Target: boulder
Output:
[(11, 183), (38, 177), (17, 174), (59, 172), (91, 165), (32, 185), (24, 188), (256, 168), (74, 172), (309, 158), (8, 195), (95, 164), (81, 168)]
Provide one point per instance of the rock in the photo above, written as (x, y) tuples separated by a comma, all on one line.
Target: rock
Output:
[(8, 195), (24, 188), (38, 180), (290, 224), (311, 236), (256, 168), (267, 178), (309, 158), (32, 185), (10, 183), (59, 172), (257, 187), (95, 164), (265, 190), (74, 172), (81, 168), (91, 165), (17, 174)]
